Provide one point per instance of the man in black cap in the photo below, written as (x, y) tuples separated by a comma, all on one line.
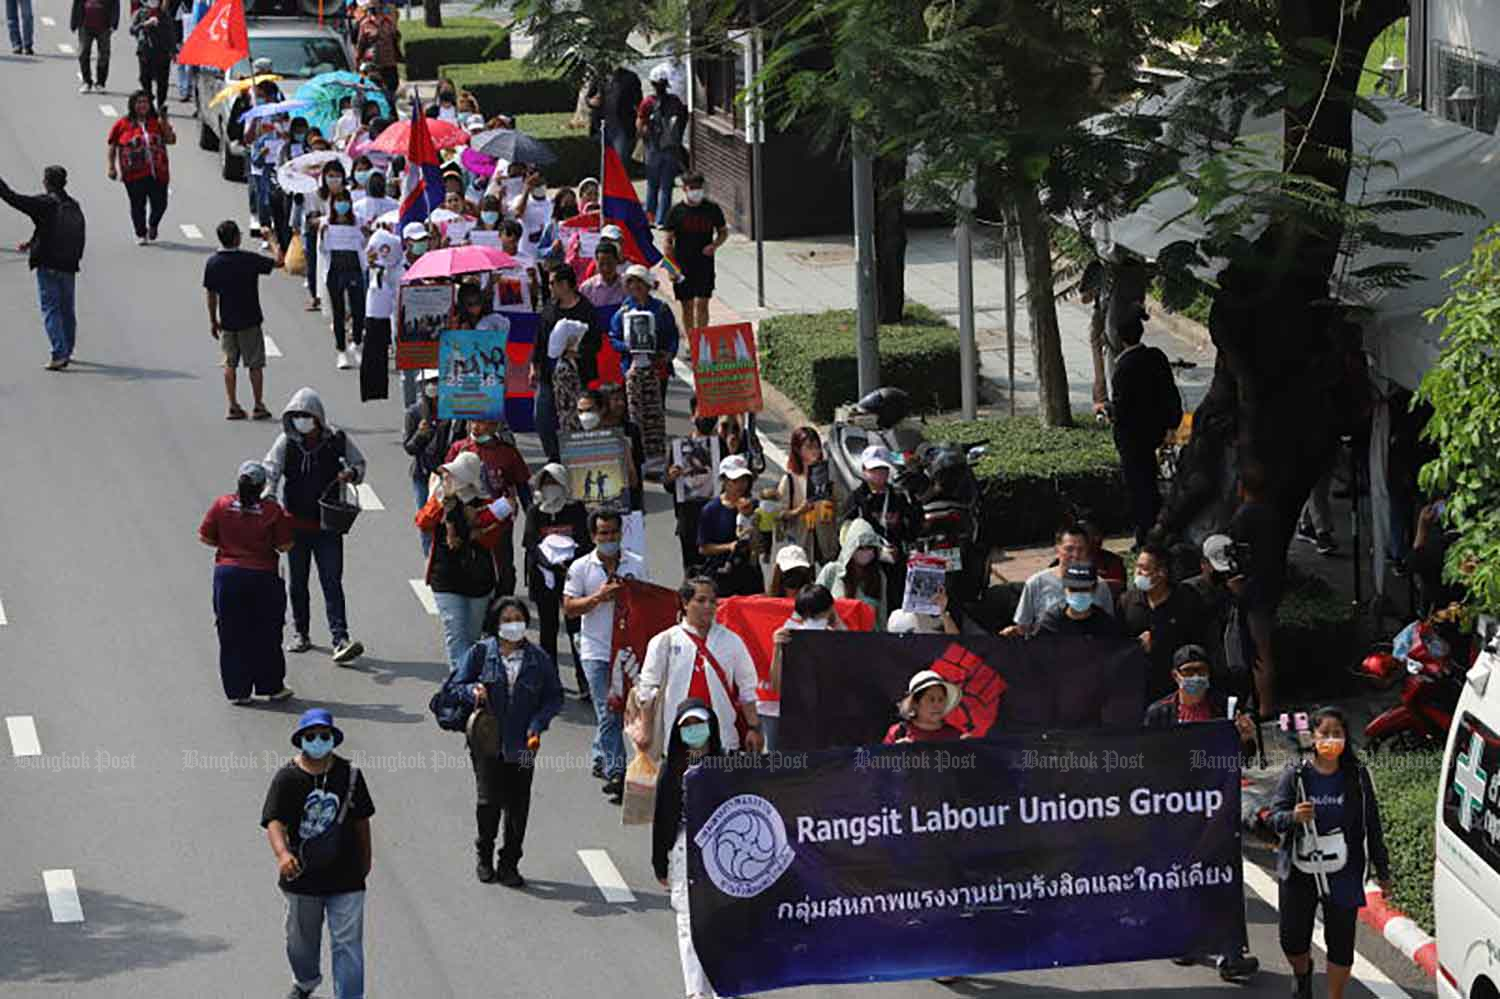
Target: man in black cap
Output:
[(1079, 613), (317, 818), (55, 249)]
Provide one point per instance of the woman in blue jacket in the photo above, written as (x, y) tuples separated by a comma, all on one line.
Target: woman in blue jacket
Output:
[(516, 685), (1329, 822)]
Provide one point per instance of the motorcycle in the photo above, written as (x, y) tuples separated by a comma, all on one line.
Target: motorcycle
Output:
[(941, 478), (1429, 694), (878, 418)]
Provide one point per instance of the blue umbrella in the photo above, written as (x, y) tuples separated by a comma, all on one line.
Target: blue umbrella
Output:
[(324, 91), (275, 108)]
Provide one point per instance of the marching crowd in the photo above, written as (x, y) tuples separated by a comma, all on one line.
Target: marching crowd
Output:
[(477, 501)]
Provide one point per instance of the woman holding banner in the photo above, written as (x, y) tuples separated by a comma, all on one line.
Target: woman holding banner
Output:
[(1327, 816), (464, 531)]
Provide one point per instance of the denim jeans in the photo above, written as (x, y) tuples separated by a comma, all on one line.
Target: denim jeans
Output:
[(609, 740), (54, 290), (462, 617), (661, 173), (544, 413), (328, 549), (18, 20), (345, 914)]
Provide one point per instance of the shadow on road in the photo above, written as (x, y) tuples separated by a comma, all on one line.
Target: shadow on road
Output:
[(384, 672), (119, 935), (591, 902), (344, 710), (128, 373), (201, 249)]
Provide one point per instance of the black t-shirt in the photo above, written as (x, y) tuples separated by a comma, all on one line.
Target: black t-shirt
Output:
[(234, 275), (1179, 620), (693, 228), (588, 346), (1097, 625), (306, 804)]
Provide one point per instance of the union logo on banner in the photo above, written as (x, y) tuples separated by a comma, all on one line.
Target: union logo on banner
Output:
[(726, 371)]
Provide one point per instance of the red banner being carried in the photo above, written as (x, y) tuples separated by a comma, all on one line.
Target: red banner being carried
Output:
[(726, 377), (220, 39), (756, 619), (642, 611)]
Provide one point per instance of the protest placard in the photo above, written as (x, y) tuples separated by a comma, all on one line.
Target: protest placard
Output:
[(471, 379), (726, 376), (595, 460), (425, 312)]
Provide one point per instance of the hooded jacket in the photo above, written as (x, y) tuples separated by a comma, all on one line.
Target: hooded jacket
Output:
[(309, 468), (859, 534), (668, 821), (571, 521)]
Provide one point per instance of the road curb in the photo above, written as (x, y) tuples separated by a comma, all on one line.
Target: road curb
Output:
[(1399, 930)]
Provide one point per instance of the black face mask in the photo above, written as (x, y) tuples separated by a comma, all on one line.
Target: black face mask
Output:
[(706, 425)]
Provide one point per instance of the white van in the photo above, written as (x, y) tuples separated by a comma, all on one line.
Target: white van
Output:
[(1466, 869)]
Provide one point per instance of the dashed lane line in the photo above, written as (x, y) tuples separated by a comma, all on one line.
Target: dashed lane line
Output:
[(367, 498), (424, 594), (23, 740), (606, 876), (191, 231), (66, 49), (62, 896), (3, 620), (271, 349), (48, 22), (1369, 976), (108, 110)]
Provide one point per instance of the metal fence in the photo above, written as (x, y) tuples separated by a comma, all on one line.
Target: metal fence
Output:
[(1452, 67)]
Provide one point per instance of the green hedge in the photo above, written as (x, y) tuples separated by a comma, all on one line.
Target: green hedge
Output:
[(1033, 477), (810, 358), (1406, 785), (459, 40), (513, 87)]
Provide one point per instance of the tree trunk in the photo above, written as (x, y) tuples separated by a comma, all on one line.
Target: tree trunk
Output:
[(890, 238), (432, 13), (1041, 307), (1279, 375)]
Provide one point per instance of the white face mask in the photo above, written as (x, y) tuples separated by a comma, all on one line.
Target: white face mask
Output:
[(693, 195), (303, 424), (513, 631), (589, 420), (430, 391), (553, 492)]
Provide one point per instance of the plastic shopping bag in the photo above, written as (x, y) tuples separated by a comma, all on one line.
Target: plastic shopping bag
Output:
[(639, 806), (296, 256)]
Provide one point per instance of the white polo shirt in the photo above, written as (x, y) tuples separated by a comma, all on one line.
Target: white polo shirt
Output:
[(586, 577)]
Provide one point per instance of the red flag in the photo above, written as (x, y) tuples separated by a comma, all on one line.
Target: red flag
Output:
[(620, 202), (642, 610), (756, 620), (220, 39)]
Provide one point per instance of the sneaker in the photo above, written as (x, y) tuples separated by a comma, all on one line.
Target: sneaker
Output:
[(598, 770), (614, 787), (1326, 545), (87, 88), (299, 643), (151, 234), (359, 353), (507, 875), (1306, 533), (284, 694), (342, 360), (56, 364), (1237, 967), (140, 241), (241, 701), (298, 993), (345, 651), (1185, 961)]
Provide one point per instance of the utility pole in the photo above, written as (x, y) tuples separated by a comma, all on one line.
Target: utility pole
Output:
[(757, 170), (867, 345), (1010, 310), (968, 356)]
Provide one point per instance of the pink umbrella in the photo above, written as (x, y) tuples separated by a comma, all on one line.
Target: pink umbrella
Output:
[(477, 163), (458, 260), (395, 137)]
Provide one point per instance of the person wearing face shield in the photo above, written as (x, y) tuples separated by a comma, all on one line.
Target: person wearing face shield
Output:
[(317, 819), (1079, 613), (693, 737), (309, 458), (427, 439), (512, 687), (556, 534), (857, 573)]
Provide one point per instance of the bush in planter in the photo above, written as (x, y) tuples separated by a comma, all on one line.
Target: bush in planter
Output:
[(1033, 477), (1406, 785), (459, 40), (810, 358), (513, 87)]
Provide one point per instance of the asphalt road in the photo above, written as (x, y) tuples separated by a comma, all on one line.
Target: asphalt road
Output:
[(148, 785)]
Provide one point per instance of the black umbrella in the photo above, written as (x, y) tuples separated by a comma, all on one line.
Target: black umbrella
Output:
[(511, 146)]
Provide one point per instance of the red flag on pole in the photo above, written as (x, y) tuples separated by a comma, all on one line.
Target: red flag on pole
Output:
[(220, 39)]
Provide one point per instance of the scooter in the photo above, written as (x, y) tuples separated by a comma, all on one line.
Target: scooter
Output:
[(1429, 695), (878, 418), (941, 478)]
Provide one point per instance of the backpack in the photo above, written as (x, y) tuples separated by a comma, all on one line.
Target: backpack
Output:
[(65, 241), (668, 124), (449, 708)]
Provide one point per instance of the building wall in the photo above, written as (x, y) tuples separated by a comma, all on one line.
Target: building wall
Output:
[(1471, 24)]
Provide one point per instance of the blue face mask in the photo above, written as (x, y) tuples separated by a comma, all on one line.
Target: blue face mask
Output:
[(318, 747), (610, 548), (1079, 601), (342, 206), (361, 177), (489, 216), (1194, 686), (1143, 583), (695, 735)]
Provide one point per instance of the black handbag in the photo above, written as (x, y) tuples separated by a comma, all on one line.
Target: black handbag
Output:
[(322, 850)]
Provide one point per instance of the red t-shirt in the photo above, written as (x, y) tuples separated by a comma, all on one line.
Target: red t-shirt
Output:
[(143, 149), (247, 539), (1200, 712), (907, 730)]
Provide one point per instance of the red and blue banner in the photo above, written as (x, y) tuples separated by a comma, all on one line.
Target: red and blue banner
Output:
[(521, 341), (622, 206), (426, 191)]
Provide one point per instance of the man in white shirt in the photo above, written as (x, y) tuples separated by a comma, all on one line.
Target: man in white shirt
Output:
[(374, 203), (589, 593), (1044, 590), (699, 658)]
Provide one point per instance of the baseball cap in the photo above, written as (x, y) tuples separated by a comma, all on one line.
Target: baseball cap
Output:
[(791, 556), (734, 467), (254, 471), (694, 714), (1080, 576), (875, 456), (639, 272), (1216, 552), (1189, 654), (414, 230), (474, 123), (612, 233)]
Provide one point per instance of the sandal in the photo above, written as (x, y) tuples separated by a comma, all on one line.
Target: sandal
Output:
[(260, 413), (235, 413)]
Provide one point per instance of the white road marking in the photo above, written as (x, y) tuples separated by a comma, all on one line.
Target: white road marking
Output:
[(108, 110), (606, 875), (23, 740), (1369, 976), (62, 896), (367, 498), (189, 230), (770, 447), (49, 22), (271, 349), (3, 620), (424, 594), (67, 49)]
